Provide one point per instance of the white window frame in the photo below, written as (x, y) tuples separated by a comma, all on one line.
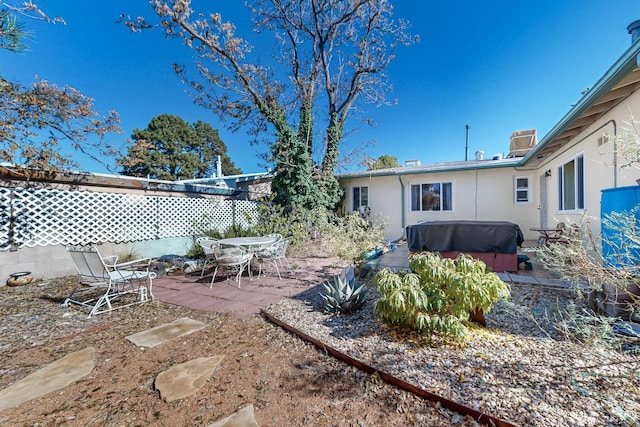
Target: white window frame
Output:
[(572, 180), (358, 205), (517, 190), (421, 185)]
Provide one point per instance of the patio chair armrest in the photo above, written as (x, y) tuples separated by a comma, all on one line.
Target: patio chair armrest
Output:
[(110, 260), (142, 262)]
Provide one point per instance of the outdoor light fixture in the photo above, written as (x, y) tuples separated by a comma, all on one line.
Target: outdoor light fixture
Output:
[(547, 173)]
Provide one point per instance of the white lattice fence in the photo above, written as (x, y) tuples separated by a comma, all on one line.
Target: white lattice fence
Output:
[(39, 217)]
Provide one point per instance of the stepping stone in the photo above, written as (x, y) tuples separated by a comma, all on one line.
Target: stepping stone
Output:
[(52, 377), (243, 418), (185, 379), (163, 333)]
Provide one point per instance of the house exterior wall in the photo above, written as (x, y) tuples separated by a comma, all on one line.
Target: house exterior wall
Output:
[(602, 168), (488, 194), (477, 195), (255, 190), (385, 200)]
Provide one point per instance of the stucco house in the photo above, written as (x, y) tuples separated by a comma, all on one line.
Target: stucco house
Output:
[(560, 178)]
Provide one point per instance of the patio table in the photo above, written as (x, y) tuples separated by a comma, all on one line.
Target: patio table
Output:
[(549, 235), (249, 242), (254, 244)]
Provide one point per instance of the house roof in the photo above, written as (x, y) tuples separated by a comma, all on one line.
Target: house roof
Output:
[(117, 181), (231, 180), (619, 82), (459, 165)]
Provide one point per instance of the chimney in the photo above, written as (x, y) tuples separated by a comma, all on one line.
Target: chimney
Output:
[(219, 168), (634, 30)]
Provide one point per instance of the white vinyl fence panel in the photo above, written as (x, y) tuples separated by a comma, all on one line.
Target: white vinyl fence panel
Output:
[(32, 217)]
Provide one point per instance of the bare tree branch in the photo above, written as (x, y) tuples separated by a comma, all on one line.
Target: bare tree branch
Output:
[(329, 53)]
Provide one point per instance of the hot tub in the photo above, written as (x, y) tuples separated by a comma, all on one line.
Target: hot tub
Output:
[(494, 242)]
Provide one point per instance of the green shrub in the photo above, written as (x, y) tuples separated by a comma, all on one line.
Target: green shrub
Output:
[(273, 218), (347, 237), (439, 294), (351, 236), (236, 230)]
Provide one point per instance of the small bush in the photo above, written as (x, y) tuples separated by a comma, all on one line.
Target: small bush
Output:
[(273, 218), (128, 255), (351, 236), (439, 294)]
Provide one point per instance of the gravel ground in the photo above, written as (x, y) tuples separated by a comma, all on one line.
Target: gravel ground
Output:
[(522, 368)]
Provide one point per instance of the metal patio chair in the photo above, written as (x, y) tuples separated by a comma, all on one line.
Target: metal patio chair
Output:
[(102, 280), (275, 255), (232, 259), (276, 236), (207, 243)]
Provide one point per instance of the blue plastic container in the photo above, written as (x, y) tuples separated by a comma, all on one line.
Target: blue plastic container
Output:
[(621, 199)]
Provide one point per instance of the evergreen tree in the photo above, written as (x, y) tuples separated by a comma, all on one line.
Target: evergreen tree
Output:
[(383, 162), (172, 149)]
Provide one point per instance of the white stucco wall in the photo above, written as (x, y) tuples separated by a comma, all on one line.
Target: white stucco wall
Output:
[(46, 262), (602, 168), (488, 194), (478, 195), (385, 200)]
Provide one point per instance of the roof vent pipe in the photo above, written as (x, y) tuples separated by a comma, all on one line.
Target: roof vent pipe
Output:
[(219, 168), (634, 30), (479, 155)]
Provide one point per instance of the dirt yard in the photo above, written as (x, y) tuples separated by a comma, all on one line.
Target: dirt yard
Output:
[(288, 381)]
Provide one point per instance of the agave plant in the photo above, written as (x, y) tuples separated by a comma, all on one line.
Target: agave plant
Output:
[(343, 296)]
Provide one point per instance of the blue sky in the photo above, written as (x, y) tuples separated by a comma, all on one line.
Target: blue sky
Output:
[(498, 66)]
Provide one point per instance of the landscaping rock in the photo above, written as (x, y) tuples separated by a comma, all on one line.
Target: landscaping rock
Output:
[(186, 378), (54, 376), (243, 418), (166, 332)]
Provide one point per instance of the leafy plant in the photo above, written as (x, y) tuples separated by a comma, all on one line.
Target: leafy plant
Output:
[(439, 294), (293, 223), (343, 296), (351, 236), (238, 230)]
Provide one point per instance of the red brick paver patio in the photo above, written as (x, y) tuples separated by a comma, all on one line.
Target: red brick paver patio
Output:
[(191, 290)]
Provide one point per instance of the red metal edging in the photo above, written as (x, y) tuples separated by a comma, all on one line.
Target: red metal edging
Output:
[(449, 404)]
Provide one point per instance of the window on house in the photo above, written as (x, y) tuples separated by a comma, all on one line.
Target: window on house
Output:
[(521, 189), (571, 184), (360, 198), (435, 196)]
